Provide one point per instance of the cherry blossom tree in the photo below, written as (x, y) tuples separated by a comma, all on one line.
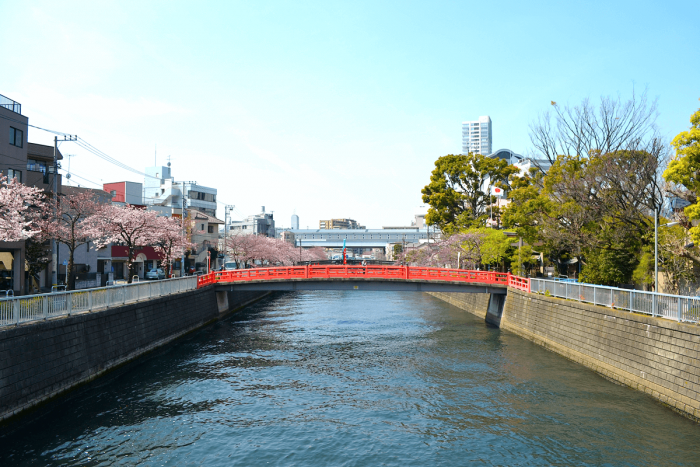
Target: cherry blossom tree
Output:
[(249, 250), (236, 247), (73, 220), (171, 242), (128, 226), (18, 209), (314, 254), (457, 248)]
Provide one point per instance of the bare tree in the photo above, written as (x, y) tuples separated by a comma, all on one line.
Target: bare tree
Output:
[(612, 126)]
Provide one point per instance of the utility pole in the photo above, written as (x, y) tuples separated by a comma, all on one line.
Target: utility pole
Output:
[(227, 218), (54, 192), (520, 258)]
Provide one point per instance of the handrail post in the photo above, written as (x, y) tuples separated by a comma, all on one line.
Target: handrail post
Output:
[(594, 295), (69, 303), (632, 300), (15, 310), (45, 307), (89, 300), (653, 304), (680, 309), (306, 271)]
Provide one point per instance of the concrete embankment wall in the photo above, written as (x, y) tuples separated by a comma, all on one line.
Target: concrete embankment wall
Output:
[(657, 356), (41, 360)]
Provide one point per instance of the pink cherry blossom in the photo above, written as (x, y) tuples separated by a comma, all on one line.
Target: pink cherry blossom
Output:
[(72, 220), (19, 205), (170, 240), (129, 226)]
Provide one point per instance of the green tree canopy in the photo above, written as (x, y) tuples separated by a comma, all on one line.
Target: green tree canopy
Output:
[(683, 172), (456, 190)]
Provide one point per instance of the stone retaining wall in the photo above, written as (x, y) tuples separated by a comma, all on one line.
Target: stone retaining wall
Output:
[(40, 360), (475, 303), (654, 355)]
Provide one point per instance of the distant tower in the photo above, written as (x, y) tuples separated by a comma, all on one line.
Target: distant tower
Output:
[(477, 137), (295, 222)]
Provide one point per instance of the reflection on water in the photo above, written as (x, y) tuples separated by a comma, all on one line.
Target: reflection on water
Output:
[(352, 378)]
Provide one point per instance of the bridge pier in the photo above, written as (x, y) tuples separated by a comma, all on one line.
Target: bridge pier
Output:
[(494, 312), (222, 301)]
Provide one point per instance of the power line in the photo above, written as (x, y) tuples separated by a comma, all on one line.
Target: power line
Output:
[(102, 155), (73, 174), (87, 146), (34, 126)]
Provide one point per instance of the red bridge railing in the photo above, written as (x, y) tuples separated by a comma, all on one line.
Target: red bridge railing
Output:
[(364, 272)]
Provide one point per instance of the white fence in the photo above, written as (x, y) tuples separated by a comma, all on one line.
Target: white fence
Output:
[(39, 307), (674, 307)]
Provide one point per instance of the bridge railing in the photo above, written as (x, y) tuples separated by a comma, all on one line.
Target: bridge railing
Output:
[(675, 307), (520, 283), (15, 310), (356, 271)]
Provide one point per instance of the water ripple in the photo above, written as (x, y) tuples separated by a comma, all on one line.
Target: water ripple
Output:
[(352, 379)]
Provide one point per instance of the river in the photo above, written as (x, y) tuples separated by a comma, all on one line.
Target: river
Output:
[(352, 379)]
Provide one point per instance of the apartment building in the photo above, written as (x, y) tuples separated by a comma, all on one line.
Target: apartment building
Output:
[(477, 136), (161, 189), (344, 224), (257, 224), (31, 164)]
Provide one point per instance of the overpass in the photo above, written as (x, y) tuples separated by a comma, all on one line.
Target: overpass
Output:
[(370, 278)]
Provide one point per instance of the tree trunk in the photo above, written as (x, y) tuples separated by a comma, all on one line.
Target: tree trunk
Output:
[(70, 275), (130, 266)]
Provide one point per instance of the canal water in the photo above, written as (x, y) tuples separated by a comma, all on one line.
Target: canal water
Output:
[(352, 379)]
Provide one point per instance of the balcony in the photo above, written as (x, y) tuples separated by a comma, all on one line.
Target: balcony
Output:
[(9, 104)]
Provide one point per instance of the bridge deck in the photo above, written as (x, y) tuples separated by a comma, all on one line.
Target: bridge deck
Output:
[(410, 285), (342, 277)]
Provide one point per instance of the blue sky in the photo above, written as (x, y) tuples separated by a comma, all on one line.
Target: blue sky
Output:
[(332, 109)]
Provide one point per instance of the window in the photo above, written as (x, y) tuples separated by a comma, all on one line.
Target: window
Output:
[(36, 166), (113, 193), (16, 137), (12, 173), (210, 229)]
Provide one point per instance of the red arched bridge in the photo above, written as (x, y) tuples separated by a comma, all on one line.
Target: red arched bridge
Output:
[(388, 278)]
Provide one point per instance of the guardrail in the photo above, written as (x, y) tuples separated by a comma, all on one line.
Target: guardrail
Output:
[(39, 307), (675, 307), (365, 272), (520, 283)]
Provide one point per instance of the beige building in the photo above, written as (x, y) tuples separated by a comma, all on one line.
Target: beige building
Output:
[(339, 224), (205, 235)]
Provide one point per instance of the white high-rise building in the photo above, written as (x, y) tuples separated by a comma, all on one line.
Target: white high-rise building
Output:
[(476, 136)]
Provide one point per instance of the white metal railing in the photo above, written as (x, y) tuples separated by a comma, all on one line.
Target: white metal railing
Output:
[(15, 310), (676, 307)]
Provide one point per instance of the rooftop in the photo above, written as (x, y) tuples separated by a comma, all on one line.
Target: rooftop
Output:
[(198, 215), (9, 104), (43, 151)]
